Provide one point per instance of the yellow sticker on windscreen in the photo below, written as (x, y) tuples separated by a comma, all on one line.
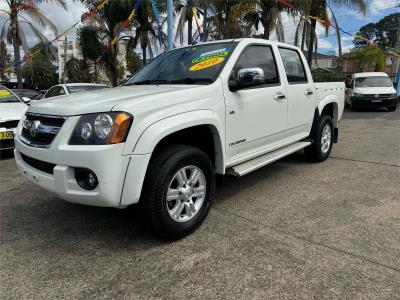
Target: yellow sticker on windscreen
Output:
[(4, 93), (207, 63)]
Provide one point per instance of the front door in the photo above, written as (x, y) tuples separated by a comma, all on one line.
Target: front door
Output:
[(255, 116)]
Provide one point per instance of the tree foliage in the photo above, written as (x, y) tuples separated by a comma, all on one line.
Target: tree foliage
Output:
[(78, 70), (366, 57), (39, 73), (383, 33), (133, 61), (12, 30)]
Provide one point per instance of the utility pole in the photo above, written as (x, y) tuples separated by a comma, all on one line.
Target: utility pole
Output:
[(170, 20), (65, 59)]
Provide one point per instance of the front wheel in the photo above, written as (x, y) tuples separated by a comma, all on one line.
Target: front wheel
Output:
[(178, 191), (321, 147), (392, 108)]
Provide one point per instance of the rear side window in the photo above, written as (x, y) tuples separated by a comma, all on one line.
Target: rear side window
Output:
[(258, 56), (294, 67)]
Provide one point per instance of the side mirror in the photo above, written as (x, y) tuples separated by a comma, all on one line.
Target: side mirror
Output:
[(247, 78), (26, 100)]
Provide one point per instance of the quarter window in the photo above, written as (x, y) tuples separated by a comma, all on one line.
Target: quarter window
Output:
[(258, 56), (294, 67)]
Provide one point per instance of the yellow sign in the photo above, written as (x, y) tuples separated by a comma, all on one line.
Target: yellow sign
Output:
[(4, 93), (207, 63)]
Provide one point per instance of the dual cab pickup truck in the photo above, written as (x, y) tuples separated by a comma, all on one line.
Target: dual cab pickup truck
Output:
[(177, 126)]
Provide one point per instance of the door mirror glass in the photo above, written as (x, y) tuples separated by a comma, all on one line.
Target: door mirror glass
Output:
[(250, 77)]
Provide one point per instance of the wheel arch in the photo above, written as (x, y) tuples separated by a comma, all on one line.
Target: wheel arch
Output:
[(329, 106), (205, 124)]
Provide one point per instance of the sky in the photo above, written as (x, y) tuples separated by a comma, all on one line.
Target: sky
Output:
[(349, 20)]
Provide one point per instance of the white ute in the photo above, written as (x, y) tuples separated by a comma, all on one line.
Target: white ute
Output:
[(185, 119)]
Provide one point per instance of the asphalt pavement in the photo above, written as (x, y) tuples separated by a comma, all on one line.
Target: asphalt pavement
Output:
[(293, 229)]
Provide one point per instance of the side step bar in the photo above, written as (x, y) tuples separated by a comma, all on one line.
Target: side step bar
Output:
[(265, 159)]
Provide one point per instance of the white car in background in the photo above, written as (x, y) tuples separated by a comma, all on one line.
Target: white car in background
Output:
[(371, 89), (70, 88), (12, 109)]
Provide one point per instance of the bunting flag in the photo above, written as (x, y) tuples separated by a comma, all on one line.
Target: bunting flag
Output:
[(110, 45), (197, 20), (29, 57), (159, 25)]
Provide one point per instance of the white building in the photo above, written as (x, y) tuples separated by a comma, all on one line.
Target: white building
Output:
[(72, 51)]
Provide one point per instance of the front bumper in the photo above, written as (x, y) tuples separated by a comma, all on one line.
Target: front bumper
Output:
[(373, 102), (107, 162)]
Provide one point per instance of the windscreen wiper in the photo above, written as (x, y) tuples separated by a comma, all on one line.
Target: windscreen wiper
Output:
[(189, 80), (160, 81)]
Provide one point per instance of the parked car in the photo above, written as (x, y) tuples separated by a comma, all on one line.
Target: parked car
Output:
[(180, 124), (70, 88), (12, 109), (26, 93), (371, 89)]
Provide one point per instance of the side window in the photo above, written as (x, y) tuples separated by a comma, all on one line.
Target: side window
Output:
[(60, 91), (50, 93), (294, 67), (258, 56)]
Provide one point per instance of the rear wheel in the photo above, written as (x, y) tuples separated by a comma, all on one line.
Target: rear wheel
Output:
[(178, 191), (321, 147)]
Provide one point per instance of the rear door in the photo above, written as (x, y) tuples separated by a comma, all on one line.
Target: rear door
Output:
[(301, 92), (255, 116)]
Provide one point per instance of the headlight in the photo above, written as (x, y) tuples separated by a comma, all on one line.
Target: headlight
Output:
[(101, 129), (393, 96), (357, 95)]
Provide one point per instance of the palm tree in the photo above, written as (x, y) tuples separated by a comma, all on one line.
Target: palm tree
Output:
[(90, 46), (227, 18), (107, 22), (146, 29), (318, 8), (13, 33), (268, 13)]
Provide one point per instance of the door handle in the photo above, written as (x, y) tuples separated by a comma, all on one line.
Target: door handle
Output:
[(279, 97), (308, 92)]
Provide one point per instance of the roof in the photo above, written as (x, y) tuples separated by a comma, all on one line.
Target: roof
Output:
[(82, 84), (370, 74), (319, 55)]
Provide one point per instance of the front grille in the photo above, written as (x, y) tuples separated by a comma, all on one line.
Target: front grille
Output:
[(376, 96), (40, 130), (38, 164), (9, 124)]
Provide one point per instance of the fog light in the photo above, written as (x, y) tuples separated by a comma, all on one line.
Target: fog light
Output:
[(86, 179)]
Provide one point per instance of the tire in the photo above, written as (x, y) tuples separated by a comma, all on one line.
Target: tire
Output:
[(392, 108), (163, 177), (319, 151), (352, 107)]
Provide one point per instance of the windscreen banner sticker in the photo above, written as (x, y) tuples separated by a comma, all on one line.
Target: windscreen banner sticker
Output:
[(4, 93), (211, 54), (207, 63)]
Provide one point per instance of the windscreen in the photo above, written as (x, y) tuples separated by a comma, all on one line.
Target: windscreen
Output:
[(197, 64), (85, 88), (7, 96), (375, 81)]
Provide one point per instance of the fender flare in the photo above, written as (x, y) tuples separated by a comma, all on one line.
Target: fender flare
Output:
[(328, 100), (157, 131)]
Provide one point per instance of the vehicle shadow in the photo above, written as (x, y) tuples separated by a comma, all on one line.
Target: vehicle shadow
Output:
[(39, 218)]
